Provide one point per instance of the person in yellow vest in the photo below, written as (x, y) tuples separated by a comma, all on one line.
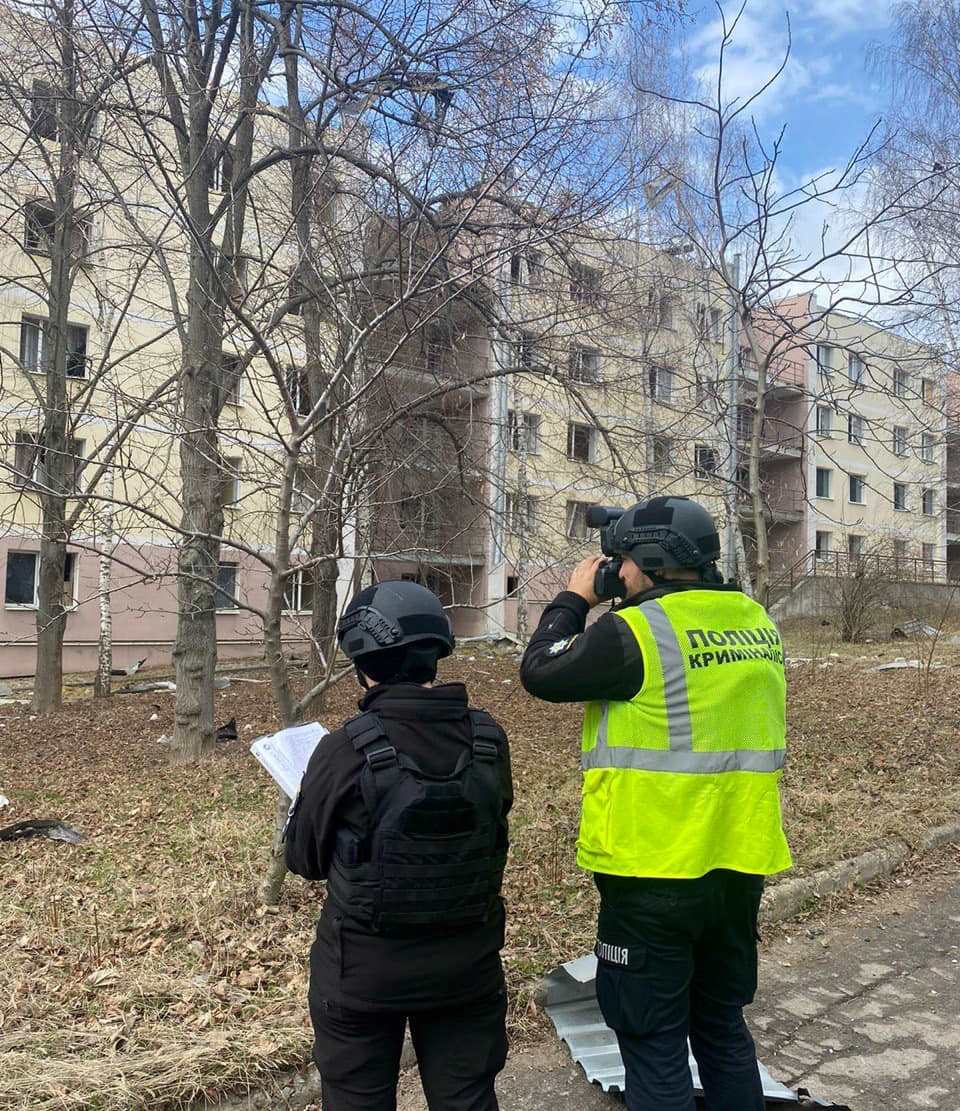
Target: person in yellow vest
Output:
[(682, 751)]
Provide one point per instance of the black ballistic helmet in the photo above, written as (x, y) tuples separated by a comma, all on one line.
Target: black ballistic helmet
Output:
[(667, 533), (393, 615)]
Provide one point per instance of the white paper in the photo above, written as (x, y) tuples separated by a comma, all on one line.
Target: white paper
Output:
[(583, 969), (285, 755)]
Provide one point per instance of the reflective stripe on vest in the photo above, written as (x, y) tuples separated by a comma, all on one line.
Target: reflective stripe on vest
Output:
[(679, 757)]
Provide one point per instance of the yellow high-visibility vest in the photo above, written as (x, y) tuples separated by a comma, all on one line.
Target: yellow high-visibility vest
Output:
[(685, 776)]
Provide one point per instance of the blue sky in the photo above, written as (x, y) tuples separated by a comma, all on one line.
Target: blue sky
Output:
[(828, 96)]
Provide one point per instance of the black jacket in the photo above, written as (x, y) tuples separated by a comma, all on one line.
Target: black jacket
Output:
[(350, 965), (567, 662)]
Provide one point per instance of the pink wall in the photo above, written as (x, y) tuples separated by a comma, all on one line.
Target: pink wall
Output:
[(144, 612)]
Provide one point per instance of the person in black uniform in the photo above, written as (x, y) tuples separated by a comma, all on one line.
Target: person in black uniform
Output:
[(403, 811)]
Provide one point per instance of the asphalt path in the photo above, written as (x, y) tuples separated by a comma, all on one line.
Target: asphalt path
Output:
[(859, 1003)]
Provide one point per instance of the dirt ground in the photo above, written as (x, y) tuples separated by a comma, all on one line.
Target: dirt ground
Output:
[(136, 969)]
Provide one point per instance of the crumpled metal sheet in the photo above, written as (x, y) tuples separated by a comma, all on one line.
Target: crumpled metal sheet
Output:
[(571, 1003)]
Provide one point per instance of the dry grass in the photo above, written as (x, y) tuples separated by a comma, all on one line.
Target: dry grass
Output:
[(137, 972)]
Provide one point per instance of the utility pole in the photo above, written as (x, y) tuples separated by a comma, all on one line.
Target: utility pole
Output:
[(731, 363), (502, 351)]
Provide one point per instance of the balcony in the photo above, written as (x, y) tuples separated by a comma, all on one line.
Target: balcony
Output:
[(786, 376), (780, 439), (415, 533), (783, 505), (425, 368)]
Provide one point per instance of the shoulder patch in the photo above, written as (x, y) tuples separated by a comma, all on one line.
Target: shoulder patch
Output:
[(561, 646)]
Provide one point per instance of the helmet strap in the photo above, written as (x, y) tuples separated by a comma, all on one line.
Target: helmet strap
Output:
[(362, 679)]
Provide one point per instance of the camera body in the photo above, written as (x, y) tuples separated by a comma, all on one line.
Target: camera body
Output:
[(606, 582)]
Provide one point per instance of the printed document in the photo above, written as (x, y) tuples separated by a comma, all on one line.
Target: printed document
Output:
[(285, 755)]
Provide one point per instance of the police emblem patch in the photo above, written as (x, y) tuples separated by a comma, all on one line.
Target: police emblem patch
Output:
[(560, 646)]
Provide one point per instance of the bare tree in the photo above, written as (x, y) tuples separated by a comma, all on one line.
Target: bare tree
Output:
[(721, 199)]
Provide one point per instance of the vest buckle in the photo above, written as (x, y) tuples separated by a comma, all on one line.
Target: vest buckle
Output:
[(485, 750), (383, 758)]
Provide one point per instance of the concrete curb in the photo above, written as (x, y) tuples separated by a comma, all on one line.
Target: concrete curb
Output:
[(785, 899)]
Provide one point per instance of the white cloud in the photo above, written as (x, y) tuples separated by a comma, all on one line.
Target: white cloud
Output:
[(754, 54), (820, 51), (842, 16)]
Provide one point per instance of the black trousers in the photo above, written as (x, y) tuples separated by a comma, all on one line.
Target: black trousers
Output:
[(678, 959), (459, 1050)]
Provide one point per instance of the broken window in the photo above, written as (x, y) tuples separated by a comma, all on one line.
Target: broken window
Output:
[(899, 495), (585, 283), (230, 480), (661, 454), (584, 364), (580, 442), (706, 461), (29, 455), (521, 513), (44, 111), (232, 377), (523, 431), (577, 527), (857, 487), (928, 506), (298, 596), (525, 351), (38, 228), (660, 382), (34, 347), (855, 426), (221, 166), (225, 594), (823, 544), (23, 569), (298, 386), (39, 231)]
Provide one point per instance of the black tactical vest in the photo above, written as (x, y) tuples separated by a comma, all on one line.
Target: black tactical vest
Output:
[(437, 845)]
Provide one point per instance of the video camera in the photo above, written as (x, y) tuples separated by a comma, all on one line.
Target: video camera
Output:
[(606, 582)]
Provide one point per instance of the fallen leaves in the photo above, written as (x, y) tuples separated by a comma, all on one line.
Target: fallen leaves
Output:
[(136, 970)]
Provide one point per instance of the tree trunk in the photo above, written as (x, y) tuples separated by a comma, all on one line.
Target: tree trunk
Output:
[(276, 866), (57, 462), (51, 619), (323, 620), (102, 681), (195, 647)]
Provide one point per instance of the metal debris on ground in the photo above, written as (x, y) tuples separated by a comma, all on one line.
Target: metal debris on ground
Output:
[(132, 669), (221, 682), (913, 628), (146, 688), (41, 827), (900, 663), (571, 1004), (4, 801), (227, 732)]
